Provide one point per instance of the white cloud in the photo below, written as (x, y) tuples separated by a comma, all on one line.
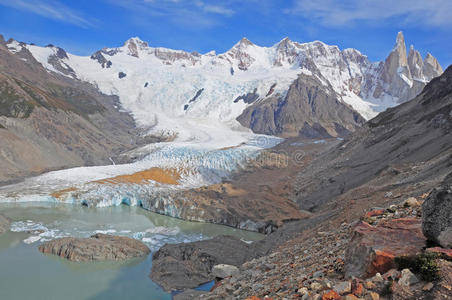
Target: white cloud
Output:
[(189, 13), (50, 9), (344, 12)]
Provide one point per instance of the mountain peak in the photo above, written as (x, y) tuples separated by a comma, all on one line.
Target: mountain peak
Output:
[(134, 44), (400, 38), (244, 42), (137, 41)]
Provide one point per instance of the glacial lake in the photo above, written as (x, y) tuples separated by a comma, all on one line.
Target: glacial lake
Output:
[(26, 273)]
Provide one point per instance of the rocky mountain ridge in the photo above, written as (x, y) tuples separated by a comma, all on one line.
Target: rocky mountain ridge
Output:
[(48, 121), (227, 79)]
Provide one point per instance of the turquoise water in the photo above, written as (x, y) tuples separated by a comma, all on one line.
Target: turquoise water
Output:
[(26, 273)]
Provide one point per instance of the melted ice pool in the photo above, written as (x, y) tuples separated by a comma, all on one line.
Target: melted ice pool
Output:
[(25, 273)]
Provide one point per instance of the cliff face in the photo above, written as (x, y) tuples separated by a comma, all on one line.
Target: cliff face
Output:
[(310, 109), (49, 121), (404, 76)]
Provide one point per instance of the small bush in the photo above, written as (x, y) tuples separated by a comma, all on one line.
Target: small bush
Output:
[(423, 264)]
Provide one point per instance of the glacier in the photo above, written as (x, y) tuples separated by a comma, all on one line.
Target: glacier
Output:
[(194, 99)]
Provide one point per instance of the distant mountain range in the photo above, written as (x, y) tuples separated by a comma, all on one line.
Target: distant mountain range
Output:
[(290, 89)]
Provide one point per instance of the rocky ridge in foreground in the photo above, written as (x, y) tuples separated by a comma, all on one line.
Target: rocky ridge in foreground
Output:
[(314, 265)]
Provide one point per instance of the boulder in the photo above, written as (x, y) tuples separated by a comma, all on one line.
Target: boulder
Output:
[(407, 278), (437, 215), (411, 202), (343, 288), (4, 224), (373, 249), (188, 265), (223, 271), (99, 247)]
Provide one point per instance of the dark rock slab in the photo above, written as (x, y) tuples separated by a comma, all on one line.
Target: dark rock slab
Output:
[(188, 265), (437, 215), (373, 249), (99, 247)]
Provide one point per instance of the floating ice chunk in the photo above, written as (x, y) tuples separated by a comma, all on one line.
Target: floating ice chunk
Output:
[(27, 226), (163, 230), (108, 231), (32, 239)]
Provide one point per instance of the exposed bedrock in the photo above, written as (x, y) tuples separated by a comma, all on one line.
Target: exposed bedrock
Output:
[(99, 247)]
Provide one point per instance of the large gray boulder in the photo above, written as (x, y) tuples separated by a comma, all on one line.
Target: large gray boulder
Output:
[(437, 215), (223, 271), (188, 265), (4, 224), (99, 247)]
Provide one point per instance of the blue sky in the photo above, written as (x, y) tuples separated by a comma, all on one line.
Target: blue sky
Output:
[(83, 26)]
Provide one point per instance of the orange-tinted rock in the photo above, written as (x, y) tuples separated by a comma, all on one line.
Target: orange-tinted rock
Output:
[(373, 248), (351, 297), (357, 288), (442, 252), (375, 213), (331, 295), (253, 298)]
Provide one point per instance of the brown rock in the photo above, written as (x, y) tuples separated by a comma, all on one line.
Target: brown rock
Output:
[(331, 295), (374, 296), (373, 248), (411, 202), (375, 213), (351, 297), (428, 287), (98, 247), (357, 288), (392, 274)]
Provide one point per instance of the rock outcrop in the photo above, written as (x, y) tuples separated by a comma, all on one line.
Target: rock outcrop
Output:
[(374, 249), (437, 215), (310, 109), (4, 224), (99, 247), (188, 265)]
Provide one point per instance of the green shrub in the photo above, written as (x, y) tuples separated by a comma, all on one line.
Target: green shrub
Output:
[(424, 264)]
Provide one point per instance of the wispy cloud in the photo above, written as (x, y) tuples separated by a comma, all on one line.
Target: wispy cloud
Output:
[(50, 9), (344, 12), (190, 13)]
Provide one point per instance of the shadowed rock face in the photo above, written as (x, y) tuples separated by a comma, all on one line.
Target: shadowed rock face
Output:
[(98, 247), (310, 109), (437, 214), (188, 265), (414, 136)]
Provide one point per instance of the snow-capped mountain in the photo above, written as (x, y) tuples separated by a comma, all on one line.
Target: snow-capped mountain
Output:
[(174, 91), (307, 89)]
